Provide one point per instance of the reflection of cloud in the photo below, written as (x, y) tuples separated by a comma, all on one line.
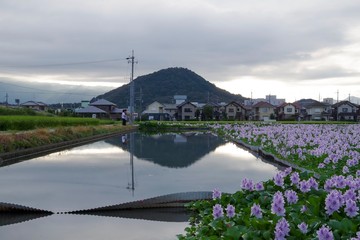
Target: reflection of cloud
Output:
[(233, 151), (96, 151)]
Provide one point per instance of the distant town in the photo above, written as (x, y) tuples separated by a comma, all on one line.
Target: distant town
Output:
[(181, 108)]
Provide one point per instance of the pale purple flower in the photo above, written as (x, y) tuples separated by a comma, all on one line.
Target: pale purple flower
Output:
[(303, 209), (351, 209), (282, 229), (340, 181), (304, 186), (303, 227), (279, 179), (247, 184), (345, 170), (230, 211), (313, 183), (291, 196), (333, 201), (321, 165), (277, 205), (287, 171), (256, 211), (218, 211), (216, 194), (324, 233), (350, 194), (358, 173), (295, 178), (259, 186), (357, 236)]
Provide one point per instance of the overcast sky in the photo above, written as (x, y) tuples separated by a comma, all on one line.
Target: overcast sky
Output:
[(292, 49)]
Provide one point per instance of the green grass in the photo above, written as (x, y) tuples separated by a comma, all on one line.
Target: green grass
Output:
[(22, 123)]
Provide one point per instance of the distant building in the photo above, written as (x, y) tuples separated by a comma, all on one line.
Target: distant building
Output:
[(180, 99), (328, 101), (272, 99), (39, 106)]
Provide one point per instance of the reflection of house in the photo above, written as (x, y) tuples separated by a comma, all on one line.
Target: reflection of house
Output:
[(287, 111), (40, 106), (186, 111), (345, 111), (100, 109), (263, 111), (235, 111)]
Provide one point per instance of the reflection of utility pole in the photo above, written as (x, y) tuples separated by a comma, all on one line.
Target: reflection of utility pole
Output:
[(131, 110), (7, 98), (132, 185)]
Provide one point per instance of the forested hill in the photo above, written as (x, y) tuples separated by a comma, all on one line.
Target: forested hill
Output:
[(162, 85)]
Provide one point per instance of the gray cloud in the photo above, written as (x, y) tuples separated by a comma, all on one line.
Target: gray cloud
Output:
[(220, 40)]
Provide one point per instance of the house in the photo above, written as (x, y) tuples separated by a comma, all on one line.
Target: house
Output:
[(345, 111), (235, 111), (154, 107), (101, 109), (186, 111), (39, 106), (287, 111), (317, 111), (91, 111), (263, 111)]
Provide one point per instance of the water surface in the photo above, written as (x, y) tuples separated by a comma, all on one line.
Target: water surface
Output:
[(117, 170)]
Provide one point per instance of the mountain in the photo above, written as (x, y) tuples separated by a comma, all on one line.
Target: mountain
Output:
[(162, 85)]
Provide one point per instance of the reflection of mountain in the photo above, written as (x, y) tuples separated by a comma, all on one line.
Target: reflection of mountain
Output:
[(171, 150), (12, 218), (152, 214)]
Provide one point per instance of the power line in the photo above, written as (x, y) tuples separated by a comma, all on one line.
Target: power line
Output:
[(63, 64)]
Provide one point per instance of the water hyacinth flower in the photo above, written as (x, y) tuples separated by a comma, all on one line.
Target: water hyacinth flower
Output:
[(291, 196), (282, 229), (287, 171), (324, 233), (303, 227), (357, 236), (304, 186), (295, 178), (279, 179), (321, 165), (313, 183), (216, 194), (303, 209), (247, 184), (333, 201), (277, 205), (256, 211), (218, 211), (259, 186), (351, 209), (350, 194), (230, 211)]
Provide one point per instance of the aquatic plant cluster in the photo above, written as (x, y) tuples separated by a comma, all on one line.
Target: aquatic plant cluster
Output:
[(323, 148), (294, 204)]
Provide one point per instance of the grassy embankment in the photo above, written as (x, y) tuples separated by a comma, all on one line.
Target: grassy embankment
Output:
[(19, 132)]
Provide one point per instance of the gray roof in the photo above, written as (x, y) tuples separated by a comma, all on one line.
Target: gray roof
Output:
[(33, 103), (102, 102), (89, 109)]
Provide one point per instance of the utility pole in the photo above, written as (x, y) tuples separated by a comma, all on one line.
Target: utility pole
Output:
[(131, 110), (337, 98)]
